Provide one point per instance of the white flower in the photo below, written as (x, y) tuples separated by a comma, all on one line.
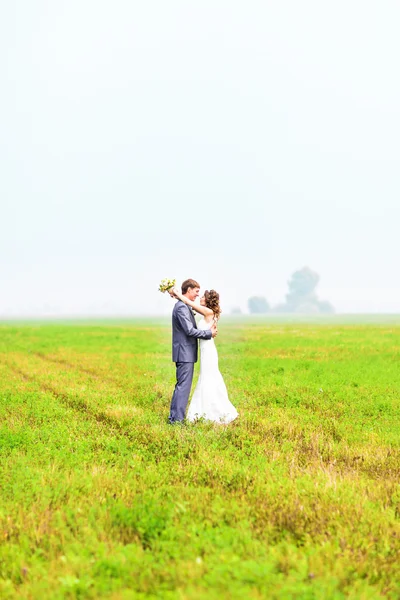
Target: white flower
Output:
[(166, 284)]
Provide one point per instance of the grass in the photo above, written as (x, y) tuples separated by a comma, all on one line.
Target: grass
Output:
[(101, 498)]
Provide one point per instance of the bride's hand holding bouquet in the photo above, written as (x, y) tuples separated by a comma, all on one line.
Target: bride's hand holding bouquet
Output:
[(174, 292), (166, 285)]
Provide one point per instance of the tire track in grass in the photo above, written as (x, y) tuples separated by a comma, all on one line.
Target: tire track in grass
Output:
[(140, 437), (75, 403), (130, 386), (86, 370)]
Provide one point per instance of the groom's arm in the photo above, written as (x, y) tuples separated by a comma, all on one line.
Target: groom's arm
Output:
[(187, 325)]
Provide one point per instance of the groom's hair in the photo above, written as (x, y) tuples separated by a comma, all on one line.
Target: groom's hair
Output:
[(189, 283)]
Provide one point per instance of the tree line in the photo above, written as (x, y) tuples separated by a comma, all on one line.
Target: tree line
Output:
[(301, 297)]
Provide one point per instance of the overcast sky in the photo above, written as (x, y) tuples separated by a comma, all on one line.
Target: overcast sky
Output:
[(229, 141)]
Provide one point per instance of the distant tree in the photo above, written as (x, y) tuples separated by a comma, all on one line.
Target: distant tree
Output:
[(258, 305), (236, 310), (301, 297), (301, 289), (325, 306)]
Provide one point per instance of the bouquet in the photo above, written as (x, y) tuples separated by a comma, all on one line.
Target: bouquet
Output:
[(166, 284)]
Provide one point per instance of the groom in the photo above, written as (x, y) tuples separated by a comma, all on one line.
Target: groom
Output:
[(184, 348)]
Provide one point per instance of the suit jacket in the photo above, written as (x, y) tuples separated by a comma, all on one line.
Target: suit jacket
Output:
[(185, 334)]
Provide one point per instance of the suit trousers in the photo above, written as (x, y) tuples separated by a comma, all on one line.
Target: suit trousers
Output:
[(180, 397)]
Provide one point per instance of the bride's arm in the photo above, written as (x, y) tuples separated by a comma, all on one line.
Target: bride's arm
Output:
[(203, 310)]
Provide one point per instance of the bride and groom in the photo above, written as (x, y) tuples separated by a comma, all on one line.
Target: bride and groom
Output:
[(210, 398)]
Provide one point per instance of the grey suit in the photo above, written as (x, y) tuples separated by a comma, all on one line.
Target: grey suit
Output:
[(184, 353)]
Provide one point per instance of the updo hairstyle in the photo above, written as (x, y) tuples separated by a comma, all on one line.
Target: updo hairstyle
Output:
[(212, 301)]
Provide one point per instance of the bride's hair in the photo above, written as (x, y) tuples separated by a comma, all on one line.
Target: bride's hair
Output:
[(212, 301)]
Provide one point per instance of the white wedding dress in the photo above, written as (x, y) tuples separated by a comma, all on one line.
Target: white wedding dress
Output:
[(210, 398)]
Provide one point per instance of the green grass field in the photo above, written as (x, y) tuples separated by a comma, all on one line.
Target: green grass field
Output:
[(101, 498)]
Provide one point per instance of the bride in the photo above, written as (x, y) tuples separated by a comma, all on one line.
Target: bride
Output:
[(210, 398)]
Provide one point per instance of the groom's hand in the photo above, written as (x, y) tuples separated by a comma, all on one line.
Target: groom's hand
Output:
[(214, 330)]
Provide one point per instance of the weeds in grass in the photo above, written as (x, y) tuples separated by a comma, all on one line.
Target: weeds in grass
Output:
[(101, 498)]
